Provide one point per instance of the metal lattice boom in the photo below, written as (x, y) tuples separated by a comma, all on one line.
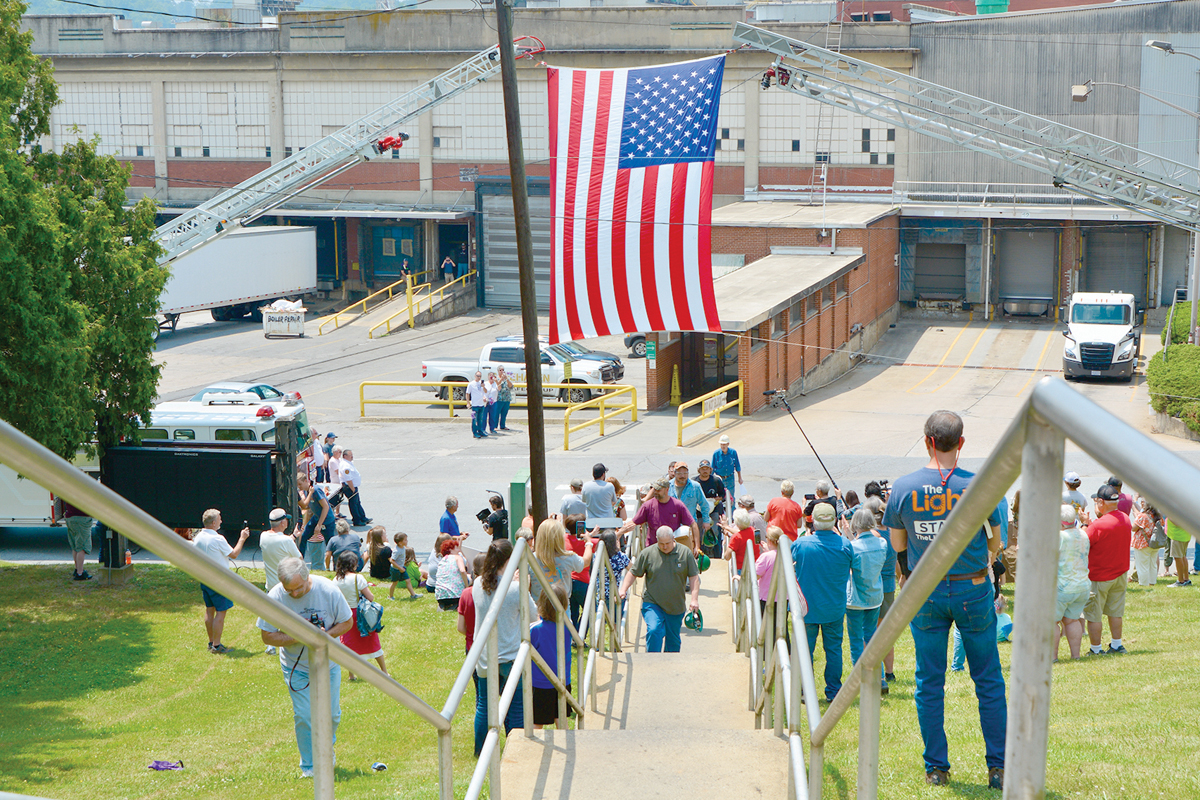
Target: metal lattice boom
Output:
[(318, 162), (1108, 171)]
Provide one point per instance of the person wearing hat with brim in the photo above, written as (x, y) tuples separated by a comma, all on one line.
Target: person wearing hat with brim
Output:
[(716, 493), (659, 509), (667, 568), (688, 492), (726, 464), (1110, 536), (1073, 497), (276, 544), (823, 569)]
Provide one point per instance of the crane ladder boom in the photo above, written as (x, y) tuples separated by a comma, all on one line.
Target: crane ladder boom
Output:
[(1108, 171), (318, 162)]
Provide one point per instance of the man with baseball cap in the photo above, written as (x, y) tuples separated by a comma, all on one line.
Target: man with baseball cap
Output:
[(277, 544), (726, 464), (1110, 536), (714, 491), (756, 519), (822, 570), (661, 509), (688, 492)]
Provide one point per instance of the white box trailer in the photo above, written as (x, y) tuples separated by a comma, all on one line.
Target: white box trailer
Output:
[(23, 502), (242, 271)]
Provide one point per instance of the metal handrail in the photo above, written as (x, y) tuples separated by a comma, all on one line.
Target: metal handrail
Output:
[(413, 306), (335, 318), (712, 412), (517, 402), (450, 402), (1033, 448), (34, 461), (598, 402)]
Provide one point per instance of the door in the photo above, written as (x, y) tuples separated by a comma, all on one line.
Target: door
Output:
[(391, 246), (452, 241), (941, 271), (501, 282), (1116, 261), (1026, 264)]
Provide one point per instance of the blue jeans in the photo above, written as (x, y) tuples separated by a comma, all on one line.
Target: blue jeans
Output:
[(515, 718), (354, 500), (1196, 557), (302, 707), (661, 629), (860, 627), (960, 653), (969, 607), (831, 639), (314, 553), (478, 421), (502, 410), (577, 599), (493, 416)]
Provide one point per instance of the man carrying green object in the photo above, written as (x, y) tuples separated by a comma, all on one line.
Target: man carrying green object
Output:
[(666, 568)]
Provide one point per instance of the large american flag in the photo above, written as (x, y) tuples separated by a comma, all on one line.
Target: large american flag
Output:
[(631, 183)]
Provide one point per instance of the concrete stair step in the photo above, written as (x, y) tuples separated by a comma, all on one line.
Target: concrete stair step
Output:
[(682, 691), (648, 764)]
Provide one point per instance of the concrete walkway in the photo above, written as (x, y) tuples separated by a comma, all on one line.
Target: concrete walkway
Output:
[(666, 725)]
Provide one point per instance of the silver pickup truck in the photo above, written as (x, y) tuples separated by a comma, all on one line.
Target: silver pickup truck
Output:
[(556, 362)]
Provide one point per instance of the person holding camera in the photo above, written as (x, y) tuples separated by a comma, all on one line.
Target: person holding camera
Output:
[(212, 543), (319, 601), (495, 518)]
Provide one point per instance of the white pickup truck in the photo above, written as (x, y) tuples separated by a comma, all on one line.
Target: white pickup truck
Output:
[(1102, 337), (556, 362)]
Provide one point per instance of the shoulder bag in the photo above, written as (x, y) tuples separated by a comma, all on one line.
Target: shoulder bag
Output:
[(370, 614)]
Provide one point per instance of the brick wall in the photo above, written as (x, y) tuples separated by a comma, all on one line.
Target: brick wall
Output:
[(658, 380), (1070, 256)]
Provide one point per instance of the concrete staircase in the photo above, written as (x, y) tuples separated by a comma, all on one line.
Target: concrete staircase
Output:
[(666, 725)]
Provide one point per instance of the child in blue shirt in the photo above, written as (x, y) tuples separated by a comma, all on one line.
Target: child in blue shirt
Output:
[(542, 637), (864, 590)]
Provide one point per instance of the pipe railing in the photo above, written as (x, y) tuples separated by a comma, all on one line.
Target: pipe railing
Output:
[(1032, 448), (391, 290), (710, 409), (599, 402), (416, 294), (455, 394), (48, 470)]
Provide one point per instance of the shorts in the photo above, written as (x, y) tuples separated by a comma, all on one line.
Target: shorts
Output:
[(215, 600), (448, 603), (1179, 549), (1070, 605), (397, 575), (79, 534), (545, 706), (1107, 598)]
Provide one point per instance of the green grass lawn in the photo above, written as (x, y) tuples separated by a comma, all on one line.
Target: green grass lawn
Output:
[(95, 683)]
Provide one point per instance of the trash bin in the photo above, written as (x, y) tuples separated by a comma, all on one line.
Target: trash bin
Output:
[(278, 324)]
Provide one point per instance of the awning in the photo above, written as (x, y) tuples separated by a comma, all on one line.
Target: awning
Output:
[(442, 213), (756, 292), (784, 214)]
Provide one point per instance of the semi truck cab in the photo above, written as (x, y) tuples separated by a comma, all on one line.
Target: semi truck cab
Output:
[(1102, 340)]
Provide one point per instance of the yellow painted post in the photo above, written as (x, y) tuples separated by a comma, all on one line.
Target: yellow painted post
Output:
[(450, 399), (362, 406), (676, 396), (408, 296), (567, 430), (741, 399), (602, 396)]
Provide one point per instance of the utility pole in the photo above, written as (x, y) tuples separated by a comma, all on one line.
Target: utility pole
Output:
[(520, 194)]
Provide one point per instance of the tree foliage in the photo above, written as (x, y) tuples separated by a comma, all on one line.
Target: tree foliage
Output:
[(79, 282)]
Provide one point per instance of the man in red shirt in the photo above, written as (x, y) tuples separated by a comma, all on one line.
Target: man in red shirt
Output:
[(1108, 561), (784, 512), (661, 509)]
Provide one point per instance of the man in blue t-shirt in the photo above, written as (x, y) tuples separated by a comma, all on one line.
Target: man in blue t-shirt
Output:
[(822, 569), (448, 524), (919, 504)]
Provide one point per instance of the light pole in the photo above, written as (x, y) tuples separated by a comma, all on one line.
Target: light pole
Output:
[(1194, 283)]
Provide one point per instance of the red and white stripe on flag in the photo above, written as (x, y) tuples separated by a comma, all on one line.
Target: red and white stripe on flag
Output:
[(630, 228)]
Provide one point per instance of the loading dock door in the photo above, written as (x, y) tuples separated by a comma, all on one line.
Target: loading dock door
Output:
[(1116, 261), (1026, 264), (941, 271), (501, 283)]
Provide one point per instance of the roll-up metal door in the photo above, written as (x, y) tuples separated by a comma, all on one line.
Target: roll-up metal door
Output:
[(941, 271), (501, 283), (1116, 261), (1026, 264), (1177, 254)]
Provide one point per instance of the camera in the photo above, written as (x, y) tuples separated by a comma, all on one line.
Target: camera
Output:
[(885, 488), (315, 619), (483, 515)]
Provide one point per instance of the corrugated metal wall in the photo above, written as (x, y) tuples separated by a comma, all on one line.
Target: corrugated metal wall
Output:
[(1029, 61)]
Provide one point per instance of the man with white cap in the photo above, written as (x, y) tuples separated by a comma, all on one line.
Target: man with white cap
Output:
[(665, 599), (822, 570), (276, 544), (1073, 497), (726, 465)]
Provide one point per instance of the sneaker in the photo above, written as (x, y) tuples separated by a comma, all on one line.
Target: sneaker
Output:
[(1174, 585), (937, 777), (219, 649), (1091, 652), (85, 576), (883, 690), (210, 647), (1118, 650), (271, 650), (891, 676), (306, 773), (996, 778)]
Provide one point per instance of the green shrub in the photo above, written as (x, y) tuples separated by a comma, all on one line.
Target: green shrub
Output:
[(1175, 383), (1179, 330)]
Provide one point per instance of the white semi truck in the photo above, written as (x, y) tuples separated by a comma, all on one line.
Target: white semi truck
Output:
[(1102, 337), (242, 271)]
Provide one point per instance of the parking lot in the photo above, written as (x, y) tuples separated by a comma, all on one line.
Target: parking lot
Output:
[(866, 425)]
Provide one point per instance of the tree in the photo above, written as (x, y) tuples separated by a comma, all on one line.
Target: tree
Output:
[(79, 282)]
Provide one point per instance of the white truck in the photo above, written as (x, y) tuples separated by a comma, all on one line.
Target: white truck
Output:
[(243, 270), (556, 363), (1102, 336)]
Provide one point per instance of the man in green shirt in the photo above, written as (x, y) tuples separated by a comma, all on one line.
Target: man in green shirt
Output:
[(666, 568)]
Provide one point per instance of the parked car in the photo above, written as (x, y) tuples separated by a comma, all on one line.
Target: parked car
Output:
[(636, 342), (511, 355), (578, 351), (264, 392)]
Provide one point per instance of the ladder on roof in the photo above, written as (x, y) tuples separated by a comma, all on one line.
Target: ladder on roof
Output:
[(1111, 172), (362, 140), (823, 129)]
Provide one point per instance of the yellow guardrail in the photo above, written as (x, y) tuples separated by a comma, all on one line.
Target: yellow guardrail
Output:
[(391, 291), (599, 402), (452, 402), (712, 404), (415, 297)]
